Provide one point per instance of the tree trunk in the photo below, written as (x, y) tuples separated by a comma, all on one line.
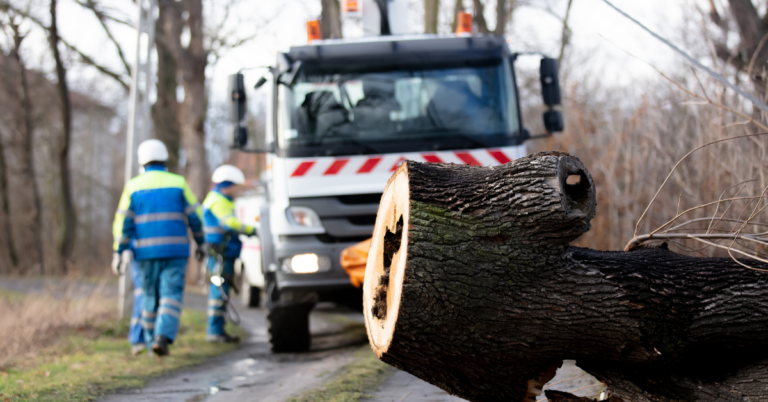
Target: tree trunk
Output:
[(501, 17), (471, 286), (68, 229), (165, 111), (330, 19), (191, 63), (431, 8), (6, 211), (458, 6), (26, 166), (482, 25)]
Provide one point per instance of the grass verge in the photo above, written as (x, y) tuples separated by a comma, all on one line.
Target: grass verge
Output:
[(356, 380), (84, 366)]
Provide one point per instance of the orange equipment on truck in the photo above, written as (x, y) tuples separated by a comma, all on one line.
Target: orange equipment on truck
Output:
[(353, 260)]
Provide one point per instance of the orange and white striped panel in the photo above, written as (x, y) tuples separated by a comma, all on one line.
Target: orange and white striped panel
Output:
[(383, 164)]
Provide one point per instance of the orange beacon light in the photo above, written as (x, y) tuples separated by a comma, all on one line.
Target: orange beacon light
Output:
[(313, 30)]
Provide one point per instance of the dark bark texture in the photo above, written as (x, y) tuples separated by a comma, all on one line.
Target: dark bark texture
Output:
[(165, 111), (330, 19), (431, 9), (494, 298), (191, 61), (68, 230)]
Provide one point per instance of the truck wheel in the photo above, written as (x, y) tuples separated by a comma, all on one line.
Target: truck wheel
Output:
[(249, 295), (288, 328)]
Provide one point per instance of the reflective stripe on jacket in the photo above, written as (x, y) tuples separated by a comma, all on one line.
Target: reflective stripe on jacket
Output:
[(219, 216), (154, 211)]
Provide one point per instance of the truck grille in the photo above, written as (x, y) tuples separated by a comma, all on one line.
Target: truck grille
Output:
[(346, 218)]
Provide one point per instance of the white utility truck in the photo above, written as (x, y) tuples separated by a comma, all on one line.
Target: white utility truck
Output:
[(342, 115)]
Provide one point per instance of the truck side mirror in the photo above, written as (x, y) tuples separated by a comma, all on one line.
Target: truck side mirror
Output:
[(237, 108), (550, 84), (550, 91)]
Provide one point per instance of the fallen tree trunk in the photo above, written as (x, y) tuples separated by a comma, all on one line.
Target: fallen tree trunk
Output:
[(471, 285)]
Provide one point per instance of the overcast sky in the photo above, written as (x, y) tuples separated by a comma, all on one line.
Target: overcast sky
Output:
[(597, 29)]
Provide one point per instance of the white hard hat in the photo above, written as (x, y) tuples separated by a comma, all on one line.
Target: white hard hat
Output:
[(152, 151), (228, 173)]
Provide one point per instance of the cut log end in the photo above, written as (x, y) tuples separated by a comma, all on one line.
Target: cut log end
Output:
[(387, 261)]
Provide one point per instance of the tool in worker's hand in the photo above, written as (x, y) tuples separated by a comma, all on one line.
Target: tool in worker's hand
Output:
[(219, 278)]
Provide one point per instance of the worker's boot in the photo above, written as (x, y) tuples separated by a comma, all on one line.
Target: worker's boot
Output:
[(222, 338), (138, 348), (160, 347)]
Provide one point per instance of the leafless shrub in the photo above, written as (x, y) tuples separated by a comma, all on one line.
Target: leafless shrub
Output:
[(31, 323), (631, 146)]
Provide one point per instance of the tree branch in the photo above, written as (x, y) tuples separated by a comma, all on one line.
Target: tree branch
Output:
[(102, 17), (83, 57)]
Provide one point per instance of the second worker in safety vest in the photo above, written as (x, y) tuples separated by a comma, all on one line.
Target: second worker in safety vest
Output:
[(222, 230), (154, 212)]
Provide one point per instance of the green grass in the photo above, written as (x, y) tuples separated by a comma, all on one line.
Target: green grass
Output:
[(356, 380), (81, 367)]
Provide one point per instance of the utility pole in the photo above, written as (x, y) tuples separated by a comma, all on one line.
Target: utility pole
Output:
[(139, 118)]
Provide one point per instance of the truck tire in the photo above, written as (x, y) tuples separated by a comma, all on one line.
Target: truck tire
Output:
[(288, 327), (249, 295)]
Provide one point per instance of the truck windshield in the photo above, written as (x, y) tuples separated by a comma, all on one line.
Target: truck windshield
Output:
[(408, 108)]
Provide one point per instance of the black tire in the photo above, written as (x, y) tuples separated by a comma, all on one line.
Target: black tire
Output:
[(249, 295), (288, 328)]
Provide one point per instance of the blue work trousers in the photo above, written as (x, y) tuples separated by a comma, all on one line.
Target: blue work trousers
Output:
[(162, 281), (217, 307), (136, 331)]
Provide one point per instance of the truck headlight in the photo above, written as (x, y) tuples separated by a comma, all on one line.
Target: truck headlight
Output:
[(303, 216), (307, 263)]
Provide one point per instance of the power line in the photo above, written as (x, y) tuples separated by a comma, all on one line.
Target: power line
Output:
[(693, 61)]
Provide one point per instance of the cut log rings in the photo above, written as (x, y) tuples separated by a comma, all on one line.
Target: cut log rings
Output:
[(471, 285)]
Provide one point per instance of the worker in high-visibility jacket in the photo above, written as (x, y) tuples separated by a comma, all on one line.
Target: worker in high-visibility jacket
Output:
[(154, 212), (222, 230)]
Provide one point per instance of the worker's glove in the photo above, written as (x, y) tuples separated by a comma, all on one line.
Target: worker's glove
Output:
[(125, 261), (200, 253), (116, 263)]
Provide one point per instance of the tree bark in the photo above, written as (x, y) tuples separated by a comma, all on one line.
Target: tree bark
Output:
[(68, 230), (26, 164), (330, 20), (6, 219), (431, 8), (165, 111), (191, 61), (471, 285), (750, 56), (458, 6), (501, 17), (482, 25)]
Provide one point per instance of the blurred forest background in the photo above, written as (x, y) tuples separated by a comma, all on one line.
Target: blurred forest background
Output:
[(63, 115)]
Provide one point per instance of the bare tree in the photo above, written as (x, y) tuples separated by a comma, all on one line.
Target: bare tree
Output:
[(67, 233), (482, 25), (25, 164), (165, 111), (458, 6), (191, 61), (6, 210), (502, 13), (751, 54), (431, 8), (330, 20)]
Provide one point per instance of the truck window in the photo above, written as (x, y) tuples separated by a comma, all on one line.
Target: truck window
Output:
[(399, 105)]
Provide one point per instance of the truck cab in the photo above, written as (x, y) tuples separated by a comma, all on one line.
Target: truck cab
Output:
[(343, 115)]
